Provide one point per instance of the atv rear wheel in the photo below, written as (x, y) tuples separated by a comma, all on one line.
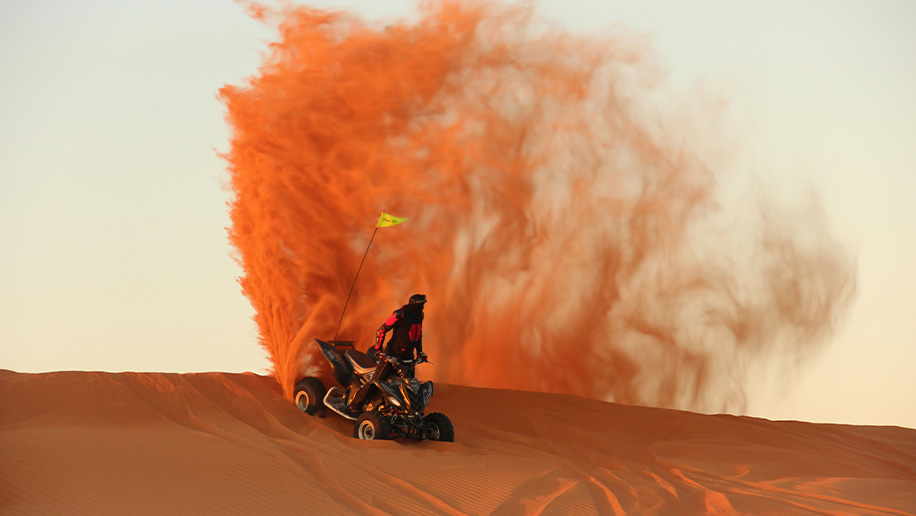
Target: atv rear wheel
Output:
[(309, 394), (370, 426), (438, 427)]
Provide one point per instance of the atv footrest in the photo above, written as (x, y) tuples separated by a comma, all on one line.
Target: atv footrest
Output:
[(336, 400)]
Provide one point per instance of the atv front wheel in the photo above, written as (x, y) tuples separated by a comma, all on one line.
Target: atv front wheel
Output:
[(371, 425), (309, 394), (438, 427)]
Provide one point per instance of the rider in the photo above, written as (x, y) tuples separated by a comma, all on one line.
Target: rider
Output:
[(407, 335)]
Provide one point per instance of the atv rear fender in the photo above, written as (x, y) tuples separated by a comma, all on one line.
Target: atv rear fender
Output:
[(343, 373)]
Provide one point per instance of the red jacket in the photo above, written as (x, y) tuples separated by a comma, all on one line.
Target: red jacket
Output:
[(407, 323)]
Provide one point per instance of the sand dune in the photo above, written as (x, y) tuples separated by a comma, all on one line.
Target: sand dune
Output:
[(217, 443)]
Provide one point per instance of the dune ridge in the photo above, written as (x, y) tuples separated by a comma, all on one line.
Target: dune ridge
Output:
[(220, 443)]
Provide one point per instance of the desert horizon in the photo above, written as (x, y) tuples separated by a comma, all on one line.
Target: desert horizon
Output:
[(78, 442)]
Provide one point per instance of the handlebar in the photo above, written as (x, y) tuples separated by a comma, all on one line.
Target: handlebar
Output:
[(408, 361)]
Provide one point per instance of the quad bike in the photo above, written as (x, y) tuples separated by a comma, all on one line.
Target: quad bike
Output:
[(382, 409)]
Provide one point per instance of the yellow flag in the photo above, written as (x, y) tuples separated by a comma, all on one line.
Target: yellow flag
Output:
[(387, 220)]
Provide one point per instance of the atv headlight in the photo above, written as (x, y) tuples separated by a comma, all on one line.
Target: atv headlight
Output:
[(426, 392), (391, 394)]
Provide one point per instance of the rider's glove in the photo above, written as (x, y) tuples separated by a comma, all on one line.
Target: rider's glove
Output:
[(421, 356)]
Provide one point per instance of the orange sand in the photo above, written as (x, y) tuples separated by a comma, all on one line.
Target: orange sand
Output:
[(217, 443)]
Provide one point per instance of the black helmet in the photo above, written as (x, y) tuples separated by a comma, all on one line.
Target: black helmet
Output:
[(417, 299)]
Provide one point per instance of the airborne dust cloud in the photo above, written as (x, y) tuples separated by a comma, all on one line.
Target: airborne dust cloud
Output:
[(568, 237)]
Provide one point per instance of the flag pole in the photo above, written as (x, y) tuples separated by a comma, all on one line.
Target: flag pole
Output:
[(385, 220), (354, 284)]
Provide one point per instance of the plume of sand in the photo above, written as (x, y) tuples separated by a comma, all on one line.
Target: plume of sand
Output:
[(558, 223)]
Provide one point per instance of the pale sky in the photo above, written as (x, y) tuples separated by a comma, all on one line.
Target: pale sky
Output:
[(113, 249)]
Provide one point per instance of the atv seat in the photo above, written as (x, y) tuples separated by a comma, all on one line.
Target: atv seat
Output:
[(362, 364)]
